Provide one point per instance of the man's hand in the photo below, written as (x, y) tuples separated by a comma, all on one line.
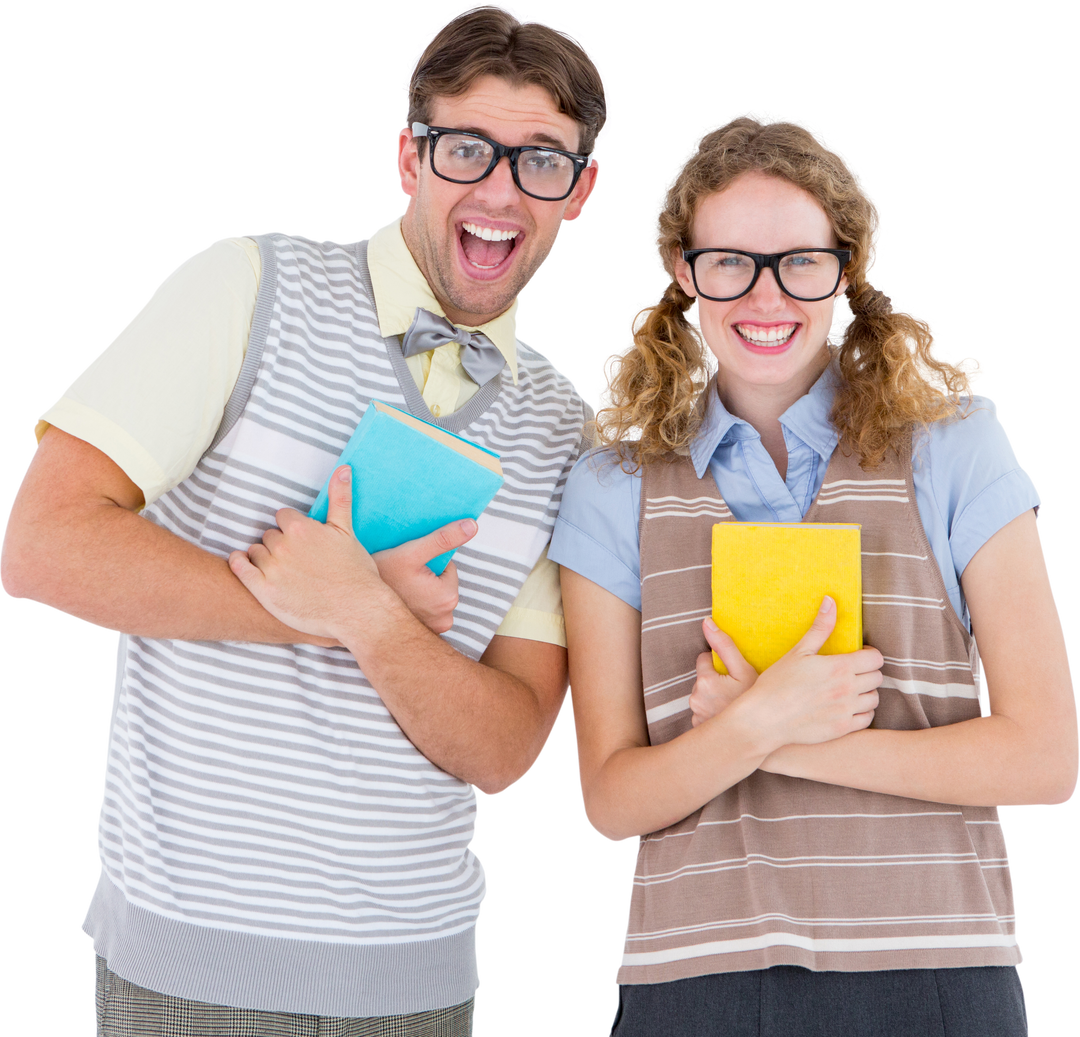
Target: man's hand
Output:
[(308, 574), (432, 599), (321, 577), (713, 692)]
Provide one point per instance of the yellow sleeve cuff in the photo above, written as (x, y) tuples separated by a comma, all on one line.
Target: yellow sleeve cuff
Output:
[(537, 614), (533, 625), (86, 424)]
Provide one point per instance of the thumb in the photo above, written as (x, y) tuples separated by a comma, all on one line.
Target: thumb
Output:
[(447, 538), (824, 622), (729, 653), (339, 504)]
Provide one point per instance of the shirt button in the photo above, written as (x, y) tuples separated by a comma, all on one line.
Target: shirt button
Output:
[(436, 410)]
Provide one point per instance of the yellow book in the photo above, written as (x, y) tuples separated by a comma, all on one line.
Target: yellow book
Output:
[(768, 579)]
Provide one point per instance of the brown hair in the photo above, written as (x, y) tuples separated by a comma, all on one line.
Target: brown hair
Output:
[(487, 41), (887, 372)]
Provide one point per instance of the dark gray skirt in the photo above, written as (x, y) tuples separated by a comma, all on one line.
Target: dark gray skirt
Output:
[(788, 1001)]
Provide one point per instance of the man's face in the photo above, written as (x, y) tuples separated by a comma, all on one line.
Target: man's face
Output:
[(473, 278)]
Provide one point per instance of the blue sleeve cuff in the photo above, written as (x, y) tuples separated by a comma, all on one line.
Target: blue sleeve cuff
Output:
[(996, 506), (575, 549)]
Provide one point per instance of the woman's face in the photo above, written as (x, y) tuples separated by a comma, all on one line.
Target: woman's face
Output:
[(765, 339)]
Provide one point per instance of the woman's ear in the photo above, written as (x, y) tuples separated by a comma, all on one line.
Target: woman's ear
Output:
[(683, 274)]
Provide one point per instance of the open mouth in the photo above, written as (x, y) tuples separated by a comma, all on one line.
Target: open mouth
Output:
[(485, 248), (766, 337)]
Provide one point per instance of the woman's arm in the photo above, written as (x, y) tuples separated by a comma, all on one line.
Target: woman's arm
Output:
[(631, 787), (1025, 751)]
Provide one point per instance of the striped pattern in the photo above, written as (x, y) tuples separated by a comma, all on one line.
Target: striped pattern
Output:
[(781, 871), (265, 789), (840, 491), (685, 508)]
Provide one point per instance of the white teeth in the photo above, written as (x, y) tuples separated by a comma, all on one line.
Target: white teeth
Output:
[(489, 233), (774, 336)]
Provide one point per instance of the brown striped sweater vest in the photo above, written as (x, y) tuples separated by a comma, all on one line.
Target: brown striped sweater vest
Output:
[(785, 871)]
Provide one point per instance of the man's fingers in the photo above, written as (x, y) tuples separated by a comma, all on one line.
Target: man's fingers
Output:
[(447, 538), (243, 570), (724, 647), (824, 622)]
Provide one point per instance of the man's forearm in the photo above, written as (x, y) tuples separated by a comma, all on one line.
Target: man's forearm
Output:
[(130, 575), (484, 722)]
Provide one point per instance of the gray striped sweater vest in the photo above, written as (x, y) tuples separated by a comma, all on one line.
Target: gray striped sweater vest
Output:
[(784, 871), (270, 838)]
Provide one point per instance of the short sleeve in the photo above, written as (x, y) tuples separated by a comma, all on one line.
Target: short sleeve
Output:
[(537, 614), (596, 532), (975, 484), (154, 399)]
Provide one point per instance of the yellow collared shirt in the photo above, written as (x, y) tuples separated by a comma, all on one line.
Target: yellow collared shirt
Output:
[(400, 288), (153, 400)]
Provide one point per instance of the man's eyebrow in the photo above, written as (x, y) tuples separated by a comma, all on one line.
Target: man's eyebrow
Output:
[(536, 138)]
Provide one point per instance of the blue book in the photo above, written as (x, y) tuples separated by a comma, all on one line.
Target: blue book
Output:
[(409, 478)]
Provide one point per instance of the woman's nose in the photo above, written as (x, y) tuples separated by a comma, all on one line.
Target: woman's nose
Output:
[(766, 293)]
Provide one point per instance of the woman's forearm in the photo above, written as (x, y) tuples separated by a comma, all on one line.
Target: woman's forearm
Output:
[(987, 761), (1025, 751), (641, 789)]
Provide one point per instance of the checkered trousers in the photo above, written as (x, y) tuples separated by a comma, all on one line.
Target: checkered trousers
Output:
[(126, 1010)]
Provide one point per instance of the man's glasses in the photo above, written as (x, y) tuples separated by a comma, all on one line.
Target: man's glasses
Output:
[(806, 274), (466, 158)]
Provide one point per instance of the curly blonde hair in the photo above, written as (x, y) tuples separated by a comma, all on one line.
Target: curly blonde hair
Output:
[(889, 379)]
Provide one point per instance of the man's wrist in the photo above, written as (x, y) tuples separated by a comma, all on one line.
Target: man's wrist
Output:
[(378, 629)]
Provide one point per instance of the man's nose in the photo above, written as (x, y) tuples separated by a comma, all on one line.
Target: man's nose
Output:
[(498, 188)]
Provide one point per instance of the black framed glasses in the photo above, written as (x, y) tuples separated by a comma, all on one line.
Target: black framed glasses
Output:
[(466, 158), (806, 274)]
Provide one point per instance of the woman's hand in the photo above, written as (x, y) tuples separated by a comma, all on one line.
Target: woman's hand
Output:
[(805, 698), (713, 692)]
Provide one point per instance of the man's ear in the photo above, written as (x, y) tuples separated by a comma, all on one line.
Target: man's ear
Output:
[(408, 162), (582, 190)]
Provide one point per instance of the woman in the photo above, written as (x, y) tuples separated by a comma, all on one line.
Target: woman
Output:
[(820, 851)]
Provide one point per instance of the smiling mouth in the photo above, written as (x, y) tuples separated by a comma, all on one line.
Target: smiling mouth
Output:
[(777, 335), (485, 247)]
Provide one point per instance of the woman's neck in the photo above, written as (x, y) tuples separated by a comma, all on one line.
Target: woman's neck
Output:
[(762, 405)]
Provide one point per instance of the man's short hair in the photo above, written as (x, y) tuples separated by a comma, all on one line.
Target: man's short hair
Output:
[(488, 41)]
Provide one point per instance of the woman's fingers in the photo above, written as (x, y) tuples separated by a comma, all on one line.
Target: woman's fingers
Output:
[(806, 697), (713, 692), (824, 622), (729, 653)]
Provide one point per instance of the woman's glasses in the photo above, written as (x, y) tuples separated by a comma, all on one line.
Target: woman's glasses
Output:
[(806, 274)]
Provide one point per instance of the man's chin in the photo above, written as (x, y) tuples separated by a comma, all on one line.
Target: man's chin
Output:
[(487, 296)]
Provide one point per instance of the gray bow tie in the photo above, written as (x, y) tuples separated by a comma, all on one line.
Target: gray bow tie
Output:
[(481, 360)]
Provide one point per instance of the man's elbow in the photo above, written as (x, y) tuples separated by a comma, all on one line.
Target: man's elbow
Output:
[(496, 775), (19, 569), (509, 772)]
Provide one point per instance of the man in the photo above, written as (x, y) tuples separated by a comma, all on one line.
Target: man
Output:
[(285, 832)]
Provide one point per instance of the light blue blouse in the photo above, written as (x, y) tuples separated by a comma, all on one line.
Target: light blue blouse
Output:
[(967, 486)]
